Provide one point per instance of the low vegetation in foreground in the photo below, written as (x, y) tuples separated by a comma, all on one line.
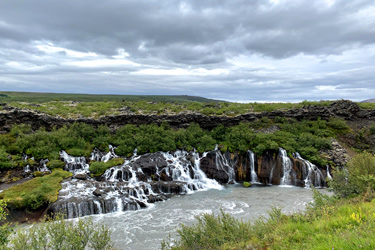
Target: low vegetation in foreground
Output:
[(343, 221), (55, 233)]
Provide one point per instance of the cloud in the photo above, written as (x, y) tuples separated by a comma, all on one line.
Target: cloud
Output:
[(277, 50)]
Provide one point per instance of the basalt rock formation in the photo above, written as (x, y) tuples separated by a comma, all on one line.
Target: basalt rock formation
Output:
[(343, 109), (148, 178)]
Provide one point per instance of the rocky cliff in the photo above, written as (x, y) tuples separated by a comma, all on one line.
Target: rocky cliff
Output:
[(343, 109)]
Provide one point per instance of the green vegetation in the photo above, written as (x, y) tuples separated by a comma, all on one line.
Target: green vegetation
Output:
[(97, 168), (55, 164), (79, 139), (60, 234), (36, 97), (366, 105), (36, 192), (356, 178), (342, 224), (5, 229), (329, 220), (78, 105), (54, 233), (246, 184)]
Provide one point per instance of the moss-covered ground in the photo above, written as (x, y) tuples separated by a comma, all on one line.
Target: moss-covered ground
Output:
[(36, 192)]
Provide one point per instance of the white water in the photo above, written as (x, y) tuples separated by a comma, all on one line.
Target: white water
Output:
[(123, 190), (254, 176), (313, 175), (146, 228), (328, 174), (223, 164), (74, 164), (287, 168)]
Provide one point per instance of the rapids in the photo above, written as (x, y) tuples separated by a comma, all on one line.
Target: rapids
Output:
[(146, 228)]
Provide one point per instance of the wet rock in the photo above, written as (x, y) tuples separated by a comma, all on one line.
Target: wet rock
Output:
[(209, 166), (80, 176), (97, 192)]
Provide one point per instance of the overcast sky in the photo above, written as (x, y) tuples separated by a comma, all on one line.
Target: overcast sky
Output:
[(236, 50)]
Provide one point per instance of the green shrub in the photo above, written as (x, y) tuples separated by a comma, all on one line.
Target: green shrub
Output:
[(97, 168), (356, 178), (55, 164), (211, 232), (5, 229), (38, 174)]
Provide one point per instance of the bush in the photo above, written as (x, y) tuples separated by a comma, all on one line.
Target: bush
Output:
[(356, 178), (38, 174), (211, 232), (55, 164), (5, 229), (97, 168)]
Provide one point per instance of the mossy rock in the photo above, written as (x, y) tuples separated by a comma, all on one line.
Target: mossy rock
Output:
[(38, 174), (246, 184)]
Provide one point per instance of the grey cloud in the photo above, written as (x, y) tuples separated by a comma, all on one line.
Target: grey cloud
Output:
[(188, 35)]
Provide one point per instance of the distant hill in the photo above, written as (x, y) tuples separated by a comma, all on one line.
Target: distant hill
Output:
[(369, 100), (6, 96)]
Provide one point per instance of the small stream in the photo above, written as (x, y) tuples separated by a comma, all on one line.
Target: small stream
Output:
[(146, 228)]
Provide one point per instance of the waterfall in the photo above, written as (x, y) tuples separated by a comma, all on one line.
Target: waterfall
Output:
[(254, 176), (27, 169), (223, 164), (74, 164), (129, 186), (328, 174), (42, 166), (311, 173), (287, 168), (97, 155)]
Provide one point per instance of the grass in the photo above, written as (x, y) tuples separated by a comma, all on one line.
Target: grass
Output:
[(36, 192), (37, 97), (96, 109), (343, 224), (366, 105), (95, 106)]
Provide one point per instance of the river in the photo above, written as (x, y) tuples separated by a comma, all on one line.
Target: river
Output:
[(146, 228)]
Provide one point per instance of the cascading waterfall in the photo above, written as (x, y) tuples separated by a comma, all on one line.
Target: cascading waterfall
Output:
[(74, 164), (254, 176), (312, 174), (129, 186), (287, 168), (223, 164), (97, 155), (43, 165), (144, 179)]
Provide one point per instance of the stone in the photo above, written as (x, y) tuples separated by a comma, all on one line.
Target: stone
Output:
[(97, 192), (80, 176)]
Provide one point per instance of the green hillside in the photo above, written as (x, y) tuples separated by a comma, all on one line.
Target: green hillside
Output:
[(6, 96)]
